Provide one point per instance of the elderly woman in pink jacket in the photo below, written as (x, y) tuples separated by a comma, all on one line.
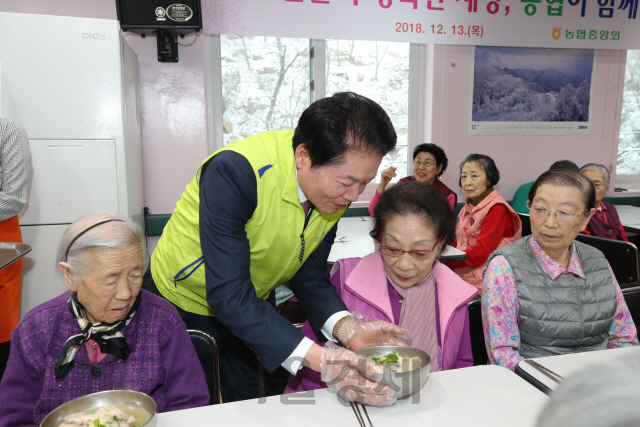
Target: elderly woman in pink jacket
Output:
[(404, 283)]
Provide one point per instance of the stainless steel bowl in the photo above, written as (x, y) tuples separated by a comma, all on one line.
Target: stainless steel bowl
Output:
[(403, 384), (102, 398)]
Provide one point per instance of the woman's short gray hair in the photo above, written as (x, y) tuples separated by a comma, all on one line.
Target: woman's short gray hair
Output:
[(599, 396), (117, 234), (598, 168)]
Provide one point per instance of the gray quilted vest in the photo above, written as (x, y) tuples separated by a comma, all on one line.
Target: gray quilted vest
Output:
[(565, 315)]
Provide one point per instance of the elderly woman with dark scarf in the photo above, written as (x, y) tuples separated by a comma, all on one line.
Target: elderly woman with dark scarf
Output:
[(104, 334)]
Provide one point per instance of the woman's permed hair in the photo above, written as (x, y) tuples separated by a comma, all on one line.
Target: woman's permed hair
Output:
[(415, 199), (485, 163), (436, 152)]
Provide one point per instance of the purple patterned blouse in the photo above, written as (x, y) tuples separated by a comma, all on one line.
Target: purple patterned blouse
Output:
[(162, 363), (500, 308)]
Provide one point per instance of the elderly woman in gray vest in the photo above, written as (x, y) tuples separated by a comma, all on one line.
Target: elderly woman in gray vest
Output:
[(547, 294)]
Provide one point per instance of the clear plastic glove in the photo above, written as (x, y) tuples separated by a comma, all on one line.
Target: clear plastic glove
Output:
[(341, 370), (362, 332)]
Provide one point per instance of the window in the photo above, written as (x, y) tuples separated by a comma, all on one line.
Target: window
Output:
[(380, 71), (629, 142), (263, 83)]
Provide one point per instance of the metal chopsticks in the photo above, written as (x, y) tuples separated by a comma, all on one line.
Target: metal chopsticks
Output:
[(356, 410), (364, 408), (546, 371)]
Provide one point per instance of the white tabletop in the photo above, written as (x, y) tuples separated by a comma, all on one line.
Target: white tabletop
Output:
[(459, 397), (353, 240), (567, 364), (629, 215)]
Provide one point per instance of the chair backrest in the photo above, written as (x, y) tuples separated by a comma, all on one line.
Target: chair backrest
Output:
[(526, 224), (632, 298), (478, 348), (622, 257), (207, 351)]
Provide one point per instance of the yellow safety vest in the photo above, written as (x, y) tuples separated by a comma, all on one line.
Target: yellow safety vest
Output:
[(177, 264)]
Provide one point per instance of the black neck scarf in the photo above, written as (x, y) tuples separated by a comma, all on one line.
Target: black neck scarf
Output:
[(108, 336)]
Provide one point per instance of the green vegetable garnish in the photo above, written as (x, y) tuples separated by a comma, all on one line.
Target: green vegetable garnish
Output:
[(96, 422), (392, 357), (115, 418)]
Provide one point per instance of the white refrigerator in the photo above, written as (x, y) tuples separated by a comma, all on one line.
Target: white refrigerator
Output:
[(73, 84)]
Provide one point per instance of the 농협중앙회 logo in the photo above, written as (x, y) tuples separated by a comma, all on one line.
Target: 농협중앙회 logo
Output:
[(179, 12)]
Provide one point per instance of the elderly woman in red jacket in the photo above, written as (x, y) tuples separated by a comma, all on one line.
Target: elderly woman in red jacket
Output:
[(429, 163), (486, 222)]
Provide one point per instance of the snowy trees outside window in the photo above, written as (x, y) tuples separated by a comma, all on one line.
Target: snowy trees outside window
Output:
[(379, 71), (629, 142), (265, 84)]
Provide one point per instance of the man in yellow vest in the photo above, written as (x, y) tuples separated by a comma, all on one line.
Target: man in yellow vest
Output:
[(261, 212)]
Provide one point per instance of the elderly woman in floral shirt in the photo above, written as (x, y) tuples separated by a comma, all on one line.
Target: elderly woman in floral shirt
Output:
[(547, 294)]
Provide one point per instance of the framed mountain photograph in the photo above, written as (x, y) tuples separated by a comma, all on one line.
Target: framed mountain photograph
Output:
[(530, 91)]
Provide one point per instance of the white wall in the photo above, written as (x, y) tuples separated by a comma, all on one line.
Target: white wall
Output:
[(521, 159)]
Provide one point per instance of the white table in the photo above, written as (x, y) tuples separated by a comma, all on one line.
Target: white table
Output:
[(567, 364), (460, 397), (353, 240), (629, 216)]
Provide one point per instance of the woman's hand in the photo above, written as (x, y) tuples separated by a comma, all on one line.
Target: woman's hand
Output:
[(387, 175), (356, 335), (344, 372)]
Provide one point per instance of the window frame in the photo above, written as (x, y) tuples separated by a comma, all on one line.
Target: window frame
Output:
[(631, 182), (420, 96)]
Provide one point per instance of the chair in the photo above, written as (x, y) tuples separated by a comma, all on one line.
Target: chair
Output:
[(478, 348), (622, 257), (526, 224), (632, 298), (207, 351), (275, 383)]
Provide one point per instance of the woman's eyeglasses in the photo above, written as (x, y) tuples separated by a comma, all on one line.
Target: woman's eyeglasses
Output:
[(426, 163), (420, 254), (566, 217)]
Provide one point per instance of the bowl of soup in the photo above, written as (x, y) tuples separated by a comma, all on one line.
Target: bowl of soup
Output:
[(120, 408), (404, 369)]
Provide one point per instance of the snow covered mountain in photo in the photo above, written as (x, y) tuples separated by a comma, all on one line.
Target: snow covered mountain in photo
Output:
[(528, 95)]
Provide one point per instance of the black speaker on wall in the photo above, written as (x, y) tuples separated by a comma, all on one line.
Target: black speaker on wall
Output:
[(163, 18)]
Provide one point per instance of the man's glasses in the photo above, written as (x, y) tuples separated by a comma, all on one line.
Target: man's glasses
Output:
[(567, 217), (426, 163), (420, 254)]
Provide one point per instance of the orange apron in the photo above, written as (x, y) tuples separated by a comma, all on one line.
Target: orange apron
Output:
[(10, 282)]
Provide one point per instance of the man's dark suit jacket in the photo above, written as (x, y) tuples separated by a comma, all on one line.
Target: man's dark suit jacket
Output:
[(228, 198)]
